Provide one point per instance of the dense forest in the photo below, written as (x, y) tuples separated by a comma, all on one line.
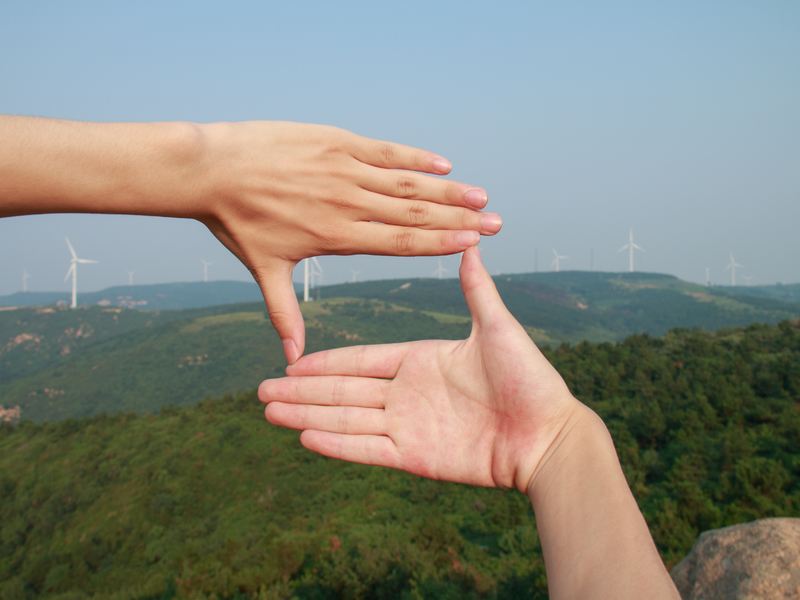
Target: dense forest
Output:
[(210, 501), (57, 363)]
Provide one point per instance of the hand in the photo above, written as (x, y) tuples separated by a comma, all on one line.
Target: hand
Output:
[(287, 191), (273, 193), (480, 411)]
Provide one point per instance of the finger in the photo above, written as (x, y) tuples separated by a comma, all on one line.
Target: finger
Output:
[(389, 155), (284, 311), (395, 240), (364, 449), (483, 300), (357, 361), (429, 215), (401, 184), (339, 390), (336, 419)]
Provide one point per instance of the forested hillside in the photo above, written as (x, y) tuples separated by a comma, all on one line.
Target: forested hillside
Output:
[(211, 501), (57, 363)]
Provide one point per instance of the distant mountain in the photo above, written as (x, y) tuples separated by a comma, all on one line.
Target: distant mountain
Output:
[(57, 363), (160, 296)]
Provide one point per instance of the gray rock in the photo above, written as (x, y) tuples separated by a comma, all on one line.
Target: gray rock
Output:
[(753, 560)]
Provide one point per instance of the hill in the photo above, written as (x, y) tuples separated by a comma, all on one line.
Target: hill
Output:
[(211, 501), (57, 363), (162, 296)]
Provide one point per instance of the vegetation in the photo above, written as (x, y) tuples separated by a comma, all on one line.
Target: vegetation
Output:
[(58, 363), (210, 501)]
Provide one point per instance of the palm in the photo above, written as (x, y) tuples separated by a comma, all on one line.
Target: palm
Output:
[(479, 411)]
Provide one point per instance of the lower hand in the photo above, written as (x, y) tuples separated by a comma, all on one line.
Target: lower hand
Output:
[(480, 411)]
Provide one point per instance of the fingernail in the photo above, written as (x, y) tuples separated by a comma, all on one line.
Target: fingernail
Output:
[(491, 222), (442, 165), (476, 198), (469, 238), (290, 350)]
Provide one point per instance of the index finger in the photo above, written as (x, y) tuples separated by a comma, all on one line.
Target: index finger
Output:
[(389, 155), (382, 361)]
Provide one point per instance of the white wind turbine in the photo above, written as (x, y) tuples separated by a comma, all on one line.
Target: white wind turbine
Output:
[(708, 276), (130, 276), (310, 266), (205, 269), (748, 279), (73, 270), (25, 278), (441, 270), (557, 260), (630, 245), (354, 272), (732, 266)]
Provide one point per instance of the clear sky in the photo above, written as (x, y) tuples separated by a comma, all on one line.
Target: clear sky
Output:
[(679, 119)]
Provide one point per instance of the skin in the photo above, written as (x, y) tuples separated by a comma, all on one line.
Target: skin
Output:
[(489, 410), (273, 193)]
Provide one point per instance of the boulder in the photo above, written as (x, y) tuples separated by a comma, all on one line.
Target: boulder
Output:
[(753, 560)]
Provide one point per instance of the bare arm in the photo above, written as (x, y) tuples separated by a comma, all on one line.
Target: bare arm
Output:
[(273, 193), (489, 410)]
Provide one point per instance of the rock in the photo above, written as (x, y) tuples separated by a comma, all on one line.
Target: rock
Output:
[(753, 560)]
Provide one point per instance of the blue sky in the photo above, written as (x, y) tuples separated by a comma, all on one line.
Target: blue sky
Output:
[(679, 119)]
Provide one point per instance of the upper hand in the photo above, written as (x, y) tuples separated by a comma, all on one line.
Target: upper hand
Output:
[(481, 411), (282, 192)]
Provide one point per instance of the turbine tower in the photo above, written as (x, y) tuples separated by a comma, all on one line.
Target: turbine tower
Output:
[(354, 272), (205, 269), (557, 260), (732, 266), (630, 245), (73, 270), (708, 276), (311, 269), (441, 270), (130, 276), (25, 278)]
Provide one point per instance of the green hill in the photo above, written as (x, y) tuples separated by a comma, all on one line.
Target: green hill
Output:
[(57, 363), (210, 501)]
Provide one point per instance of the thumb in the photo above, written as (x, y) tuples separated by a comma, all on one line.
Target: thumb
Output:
[(483, 300), (284, 312)]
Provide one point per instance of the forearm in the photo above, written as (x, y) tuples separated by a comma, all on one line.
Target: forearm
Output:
[(56, 166), (595, 540)]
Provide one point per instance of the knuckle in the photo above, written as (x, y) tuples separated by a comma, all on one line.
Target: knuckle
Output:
[(404, 241), (407, 187), (341, 203), (338, 391), (387, 154), (279, 319), (342, 426), (417, 214)]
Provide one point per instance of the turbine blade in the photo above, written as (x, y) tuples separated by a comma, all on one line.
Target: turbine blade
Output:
[(316, 262), (639, 248), (71, 269), (71, 249), (726, 268), (86, 261), (625, 247)]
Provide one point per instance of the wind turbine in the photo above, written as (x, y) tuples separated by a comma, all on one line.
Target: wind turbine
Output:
[(441, 270), (732, 266), (708, 276), (557, 260), (354, 272), (310, 266), (630, 245), (130, 276), (748, 279), (205, 269), (73, 270), (25, 278)]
